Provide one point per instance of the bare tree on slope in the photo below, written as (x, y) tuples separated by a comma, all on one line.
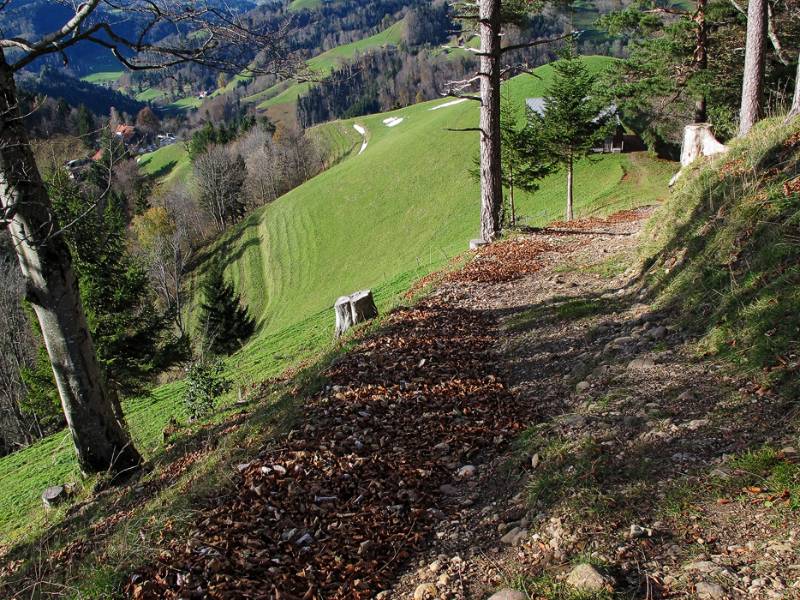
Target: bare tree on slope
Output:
[(203, 33)]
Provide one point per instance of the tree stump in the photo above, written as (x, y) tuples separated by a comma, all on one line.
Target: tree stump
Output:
[(475, 244), (698, 140), (54, 495), (353, 309)]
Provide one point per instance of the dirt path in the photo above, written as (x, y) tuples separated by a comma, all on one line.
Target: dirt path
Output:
[(530, 414)]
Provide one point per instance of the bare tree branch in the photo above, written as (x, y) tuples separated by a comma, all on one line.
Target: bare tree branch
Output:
[(771, 32)]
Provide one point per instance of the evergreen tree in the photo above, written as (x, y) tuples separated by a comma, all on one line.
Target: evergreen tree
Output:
[(131, 337), (225, 320), (572, 122), (84, 121), (523, 159)]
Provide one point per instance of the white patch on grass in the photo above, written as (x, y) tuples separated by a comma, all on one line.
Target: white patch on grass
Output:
[(363, 131), (451, 103), (393, 121)]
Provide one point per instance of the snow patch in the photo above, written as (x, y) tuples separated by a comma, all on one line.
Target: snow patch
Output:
[(393, 121), (451, 103), (363, 131)]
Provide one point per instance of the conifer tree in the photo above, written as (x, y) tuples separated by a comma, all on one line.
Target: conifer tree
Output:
[(523, 159), (225, 320), (131, 337), (572, 122)]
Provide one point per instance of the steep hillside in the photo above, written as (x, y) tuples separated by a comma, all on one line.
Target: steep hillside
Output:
[(380, 219), (349, 227), (725, 250)]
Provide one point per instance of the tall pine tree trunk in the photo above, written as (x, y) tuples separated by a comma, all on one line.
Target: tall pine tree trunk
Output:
[(570, 185), (701, 58), (100, 440), (491, 185), (794, 111), (754, 63)]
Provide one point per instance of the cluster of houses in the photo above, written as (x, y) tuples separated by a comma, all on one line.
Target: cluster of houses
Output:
[(136, 143)]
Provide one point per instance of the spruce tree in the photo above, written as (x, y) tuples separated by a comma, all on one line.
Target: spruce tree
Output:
[(523, 159), (572, 122), (225, 320), (131, 337)]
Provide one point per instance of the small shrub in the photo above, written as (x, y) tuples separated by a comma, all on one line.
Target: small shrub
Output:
[(205, 381)]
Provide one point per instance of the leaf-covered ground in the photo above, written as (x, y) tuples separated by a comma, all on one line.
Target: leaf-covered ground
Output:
[(336, 509), (532, 413)]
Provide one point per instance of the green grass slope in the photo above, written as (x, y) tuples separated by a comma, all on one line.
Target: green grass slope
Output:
[(102, 77), (169, 164), (406, 202), (378, 220), (725, 250), (298, 5)]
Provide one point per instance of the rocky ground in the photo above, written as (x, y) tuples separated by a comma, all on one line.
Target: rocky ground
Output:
[(532, 429)]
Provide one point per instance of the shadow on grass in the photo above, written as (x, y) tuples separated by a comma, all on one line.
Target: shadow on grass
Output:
[(731, 264), (163, 171), (635, 447)]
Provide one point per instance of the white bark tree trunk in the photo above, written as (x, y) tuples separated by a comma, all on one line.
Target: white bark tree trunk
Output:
[(100, 440), (754, 63), (490, 169), (794, 111), (698, 140)]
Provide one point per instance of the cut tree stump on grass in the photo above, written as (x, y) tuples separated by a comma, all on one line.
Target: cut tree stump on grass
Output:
[(353, 309), (475, 244), (698, 141), (54, 495)]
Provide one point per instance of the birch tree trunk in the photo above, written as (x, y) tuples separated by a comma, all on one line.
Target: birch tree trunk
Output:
[(570, 186), (490, 169), (100, 440), (754, 61), (794, 111)]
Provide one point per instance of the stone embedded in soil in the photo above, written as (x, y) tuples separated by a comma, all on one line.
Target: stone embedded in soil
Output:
[(426, 591), (515, 536), (586, 578), (507, 594), (582, 386), (641, 363), (701, 566), (467, 472), (580, 370), (696, 424), (709, 591)]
